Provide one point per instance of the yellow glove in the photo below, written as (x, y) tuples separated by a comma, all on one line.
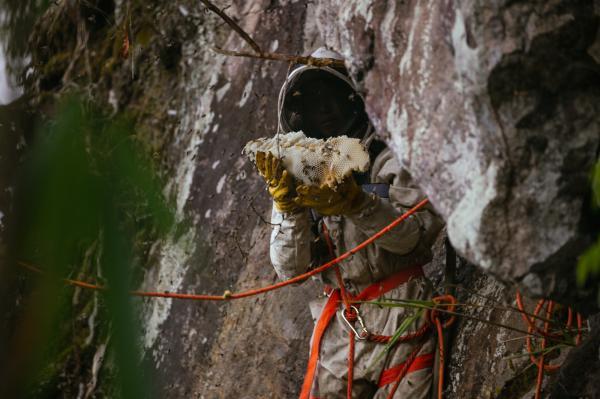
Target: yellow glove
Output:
[(281, 184), (344, 199)]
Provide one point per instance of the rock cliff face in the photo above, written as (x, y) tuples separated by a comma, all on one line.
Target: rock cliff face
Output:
[(492, 105)]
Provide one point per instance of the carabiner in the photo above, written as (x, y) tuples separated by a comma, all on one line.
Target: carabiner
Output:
[(364, 333)]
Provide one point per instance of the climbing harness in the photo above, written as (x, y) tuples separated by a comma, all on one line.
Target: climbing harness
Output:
[(351, 314), (372, 292)]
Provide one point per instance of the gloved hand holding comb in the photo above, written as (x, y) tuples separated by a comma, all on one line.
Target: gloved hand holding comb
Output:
[(280, 184)]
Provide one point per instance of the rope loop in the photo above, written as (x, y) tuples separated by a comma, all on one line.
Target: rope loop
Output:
[(540, 361), (444, 301)]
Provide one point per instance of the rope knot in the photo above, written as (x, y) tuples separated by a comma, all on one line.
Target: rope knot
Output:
[(351, 314), (444, 301)]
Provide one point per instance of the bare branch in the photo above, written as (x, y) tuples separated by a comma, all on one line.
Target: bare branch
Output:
[(292, 59), (239, 247), (320, 62), (233, 25), (262, 219)]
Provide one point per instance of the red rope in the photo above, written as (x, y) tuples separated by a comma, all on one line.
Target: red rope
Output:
[(338, 274), (433, 318), (350, 364), (411, 358), (351, 316), (384, 339)]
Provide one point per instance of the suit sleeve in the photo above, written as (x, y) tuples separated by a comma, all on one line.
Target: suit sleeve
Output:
[(419, 228), (291, 237)]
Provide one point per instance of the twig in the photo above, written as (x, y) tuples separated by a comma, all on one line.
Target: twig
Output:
[(258, 53), (525, 336), (131, 44), (544, 351), (233, 25), (239, 247), (30, 267), (308, 60), (502, 305), (80, 47), (414, 304), (262, 219)]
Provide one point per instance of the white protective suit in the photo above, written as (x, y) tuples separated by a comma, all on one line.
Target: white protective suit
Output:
[(293, 252)]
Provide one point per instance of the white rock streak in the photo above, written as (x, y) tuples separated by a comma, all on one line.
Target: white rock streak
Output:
[(245, 94), (167, 276), (221, 183), (196, 122)]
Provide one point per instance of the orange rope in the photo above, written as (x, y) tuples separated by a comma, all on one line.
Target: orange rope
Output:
[(450, 302), (434, 316), (227, 295), (546, 336), (541, 365), (531, 321)]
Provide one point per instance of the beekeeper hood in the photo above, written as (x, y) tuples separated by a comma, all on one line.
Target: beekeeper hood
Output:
[(321, 101)]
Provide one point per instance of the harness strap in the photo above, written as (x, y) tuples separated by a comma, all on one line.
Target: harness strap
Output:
[(376, 290), (419, 363), (326, 315), (393, 374), (371, 292)]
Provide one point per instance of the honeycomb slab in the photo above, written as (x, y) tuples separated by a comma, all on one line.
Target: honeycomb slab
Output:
[(313, 161)]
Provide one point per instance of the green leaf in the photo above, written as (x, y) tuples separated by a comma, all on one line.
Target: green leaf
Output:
[(589, 263), (596, 184), (404, 326)]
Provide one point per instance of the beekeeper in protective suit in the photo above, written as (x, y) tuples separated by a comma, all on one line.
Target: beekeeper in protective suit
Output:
[(314, 224)]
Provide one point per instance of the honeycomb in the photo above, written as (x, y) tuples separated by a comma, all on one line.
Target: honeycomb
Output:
[(312, 161)]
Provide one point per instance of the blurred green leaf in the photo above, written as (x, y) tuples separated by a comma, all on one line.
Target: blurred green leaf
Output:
[(87, 181), (588, 265), (596, 184)]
